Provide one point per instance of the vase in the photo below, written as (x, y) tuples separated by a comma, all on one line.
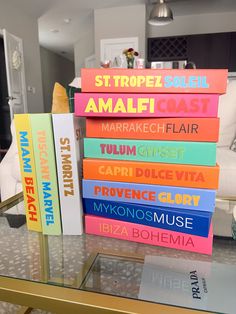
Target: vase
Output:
[(130, 63)]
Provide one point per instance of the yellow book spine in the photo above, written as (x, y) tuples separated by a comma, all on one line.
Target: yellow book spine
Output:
[(28, 171)]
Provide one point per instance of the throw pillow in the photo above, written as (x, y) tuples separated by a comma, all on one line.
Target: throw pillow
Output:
[(60, 103), (233, 146), (227, 115), (71, 90)]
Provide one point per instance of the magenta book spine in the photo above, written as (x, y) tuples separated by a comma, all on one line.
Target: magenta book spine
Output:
[(146, 105), (148, 235)]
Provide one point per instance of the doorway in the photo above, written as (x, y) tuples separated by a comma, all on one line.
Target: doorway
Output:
[(5, 119)]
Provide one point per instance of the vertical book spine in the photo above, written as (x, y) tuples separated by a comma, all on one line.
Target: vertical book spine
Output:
[(28, 171), (46, 173), (68, 132)]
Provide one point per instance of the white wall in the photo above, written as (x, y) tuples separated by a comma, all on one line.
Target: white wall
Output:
[(130, 21), (84, 47), (18, 23), (196, 24), (120, 22), (54, 69)]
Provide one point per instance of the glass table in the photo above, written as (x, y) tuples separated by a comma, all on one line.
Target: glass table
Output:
[(84, 274)]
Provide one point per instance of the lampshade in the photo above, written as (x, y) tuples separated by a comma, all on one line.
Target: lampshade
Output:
[(161, 14)]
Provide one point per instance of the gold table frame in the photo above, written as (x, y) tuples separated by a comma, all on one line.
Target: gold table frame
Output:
[(63, 300)]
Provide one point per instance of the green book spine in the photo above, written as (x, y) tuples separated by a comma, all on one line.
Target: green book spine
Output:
[(45, 163), (191, 153)]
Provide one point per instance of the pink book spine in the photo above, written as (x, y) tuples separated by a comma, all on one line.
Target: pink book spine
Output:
[(146, 105), (148, 235)]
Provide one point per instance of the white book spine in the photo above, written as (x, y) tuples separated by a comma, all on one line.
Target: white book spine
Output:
[(68, 133)]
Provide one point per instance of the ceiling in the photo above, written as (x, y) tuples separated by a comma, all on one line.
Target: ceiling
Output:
[(59, 36)]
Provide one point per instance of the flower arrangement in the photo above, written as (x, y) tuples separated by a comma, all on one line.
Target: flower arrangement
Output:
[(130, 55)]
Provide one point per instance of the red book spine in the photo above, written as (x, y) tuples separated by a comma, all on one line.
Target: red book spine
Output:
[(179, 129)]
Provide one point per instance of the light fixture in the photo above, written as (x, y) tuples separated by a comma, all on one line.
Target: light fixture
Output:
[(54, 30), (67, 20), (161, 14)]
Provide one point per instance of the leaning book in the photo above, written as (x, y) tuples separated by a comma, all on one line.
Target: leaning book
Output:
[(28, 171), (68, 133), (45, 162)]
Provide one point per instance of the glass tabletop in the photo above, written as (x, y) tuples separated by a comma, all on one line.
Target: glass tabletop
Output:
[(91, 263)]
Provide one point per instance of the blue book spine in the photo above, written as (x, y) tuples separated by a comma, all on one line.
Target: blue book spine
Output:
[(180, 220), (148, 194)]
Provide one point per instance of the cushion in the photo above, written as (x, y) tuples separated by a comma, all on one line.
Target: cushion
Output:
[(74, 87), (226, 159), (60, 103), (234, 223), (227, 115), (233, 146), (71, 90), (222, 222)]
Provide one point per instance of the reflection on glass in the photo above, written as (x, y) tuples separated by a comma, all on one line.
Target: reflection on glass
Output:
[(88, 262), (114, 275)]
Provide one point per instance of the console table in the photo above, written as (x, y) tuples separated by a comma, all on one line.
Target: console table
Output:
[(83, 274)]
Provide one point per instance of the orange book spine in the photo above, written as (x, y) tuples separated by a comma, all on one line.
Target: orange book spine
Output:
[(180, 129), (151, 173)]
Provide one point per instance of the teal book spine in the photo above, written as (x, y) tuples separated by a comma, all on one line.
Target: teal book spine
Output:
[(174, 152), (45, 162)]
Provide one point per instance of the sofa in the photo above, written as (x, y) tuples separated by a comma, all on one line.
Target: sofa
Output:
[(226, 158)]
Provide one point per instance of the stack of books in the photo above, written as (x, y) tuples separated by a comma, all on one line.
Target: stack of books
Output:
[(50, 150), (150, 172)]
